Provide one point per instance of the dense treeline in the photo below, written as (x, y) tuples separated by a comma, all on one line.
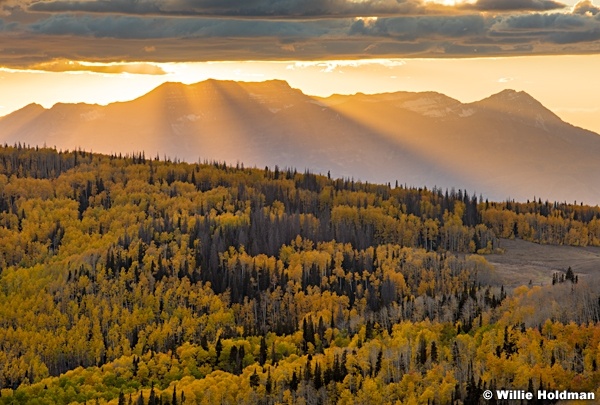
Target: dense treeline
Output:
[(170, 282)]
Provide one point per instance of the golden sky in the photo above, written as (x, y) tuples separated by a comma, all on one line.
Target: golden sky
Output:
[(100, 51)]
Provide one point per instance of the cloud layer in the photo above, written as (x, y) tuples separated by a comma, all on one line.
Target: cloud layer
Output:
[(60, 65), (48, 33), (250, 8), (514, 5)]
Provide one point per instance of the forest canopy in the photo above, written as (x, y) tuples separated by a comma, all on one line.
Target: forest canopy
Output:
[(125, 279)]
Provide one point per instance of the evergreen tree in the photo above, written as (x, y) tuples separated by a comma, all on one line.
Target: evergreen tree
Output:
[(254, 379), (262, 356)]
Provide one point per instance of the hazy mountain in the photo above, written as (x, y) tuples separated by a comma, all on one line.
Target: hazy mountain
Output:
[(507, 145)]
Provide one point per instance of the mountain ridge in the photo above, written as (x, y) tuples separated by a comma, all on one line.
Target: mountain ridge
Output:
[(505, 145)]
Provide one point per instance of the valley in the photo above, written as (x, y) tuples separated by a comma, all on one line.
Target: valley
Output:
[(523, 261)]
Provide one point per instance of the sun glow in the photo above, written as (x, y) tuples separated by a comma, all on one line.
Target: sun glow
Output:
[(449, 2), (367, 20)]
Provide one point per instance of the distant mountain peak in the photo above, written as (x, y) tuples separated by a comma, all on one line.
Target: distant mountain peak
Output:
[(32, 107), (163, 89), (176, 89), (517, 103), (217, 82), (26, 113), (511, 95)]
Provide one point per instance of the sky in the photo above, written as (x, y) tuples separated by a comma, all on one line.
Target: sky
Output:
[(100, 51)]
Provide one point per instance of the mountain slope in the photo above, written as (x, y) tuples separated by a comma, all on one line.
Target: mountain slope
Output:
[(507, 145)]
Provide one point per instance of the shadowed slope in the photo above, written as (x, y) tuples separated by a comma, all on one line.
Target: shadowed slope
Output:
[(505, 145)]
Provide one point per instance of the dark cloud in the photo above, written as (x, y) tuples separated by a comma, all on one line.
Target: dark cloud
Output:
[(414, 28), (514, 5), (532, 22), (103, 6), (232, 8), (475, 49), (130, 27), (563, 29), (8, 27), (569, 38), (558, 29)]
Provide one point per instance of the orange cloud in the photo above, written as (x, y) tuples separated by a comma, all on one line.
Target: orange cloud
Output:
[(111, 68)]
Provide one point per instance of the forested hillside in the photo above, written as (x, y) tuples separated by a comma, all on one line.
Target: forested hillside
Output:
[(136, 280)]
